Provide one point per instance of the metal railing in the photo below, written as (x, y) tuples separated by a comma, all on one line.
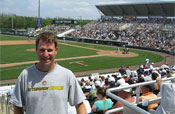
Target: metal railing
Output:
[(128, 104), (4, 101)]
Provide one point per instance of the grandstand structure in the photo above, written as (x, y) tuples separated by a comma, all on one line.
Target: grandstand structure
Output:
[(164, 9)]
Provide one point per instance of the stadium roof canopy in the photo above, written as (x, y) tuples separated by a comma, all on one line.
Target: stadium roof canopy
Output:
[(166, 9)]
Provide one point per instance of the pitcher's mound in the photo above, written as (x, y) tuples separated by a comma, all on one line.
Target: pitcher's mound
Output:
[(116, 54)]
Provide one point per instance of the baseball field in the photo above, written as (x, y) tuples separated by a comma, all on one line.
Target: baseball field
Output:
[(18, 53)]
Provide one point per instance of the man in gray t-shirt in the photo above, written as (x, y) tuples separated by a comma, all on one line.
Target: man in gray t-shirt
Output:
[(46, 87)]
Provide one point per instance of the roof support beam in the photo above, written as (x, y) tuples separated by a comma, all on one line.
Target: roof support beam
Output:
[(136, 12), (163, 10)]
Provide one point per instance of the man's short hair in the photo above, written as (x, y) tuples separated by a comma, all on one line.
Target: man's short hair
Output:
[(47, 37)]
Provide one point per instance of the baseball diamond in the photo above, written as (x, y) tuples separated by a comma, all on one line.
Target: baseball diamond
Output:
[(96, 57)]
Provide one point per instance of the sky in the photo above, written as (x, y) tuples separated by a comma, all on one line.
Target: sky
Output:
[(77, 9)]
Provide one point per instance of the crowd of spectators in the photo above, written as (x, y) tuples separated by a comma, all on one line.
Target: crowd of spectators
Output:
[(95, 88), (156, 33)]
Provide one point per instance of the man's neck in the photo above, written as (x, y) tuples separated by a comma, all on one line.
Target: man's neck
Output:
[(42, 68)]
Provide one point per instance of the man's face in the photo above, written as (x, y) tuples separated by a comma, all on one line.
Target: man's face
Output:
[(46, 53)]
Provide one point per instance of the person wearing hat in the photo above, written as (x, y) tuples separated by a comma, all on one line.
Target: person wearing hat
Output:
[(93, 94), (125, 78), (163, 73), (87, 86), (151, 67), (126, 95), (120, 80), (140, 70), (147, 77), (111, 81)]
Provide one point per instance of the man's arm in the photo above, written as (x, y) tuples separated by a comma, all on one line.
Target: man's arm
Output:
[(81, 108), (18, 110)]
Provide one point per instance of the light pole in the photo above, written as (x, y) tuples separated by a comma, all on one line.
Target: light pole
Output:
[(39, 19), (12, 21), (39, 9)]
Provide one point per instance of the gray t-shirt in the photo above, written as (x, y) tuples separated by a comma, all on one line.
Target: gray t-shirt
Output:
[(46, 92)]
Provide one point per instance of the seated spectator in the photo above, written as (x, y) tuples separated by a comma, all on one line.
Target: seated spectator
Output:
[(120, 80), (102, 81), (102, 104), (140, 70), (111, 82), (148, 94), (163, 73), (93, 94), (147, 77), (140, 79), (135, 78), (81, 84), (87, 87), (167, 92), (106, 83), (125, 94), (131, 80), (154, 76), (125, 78)]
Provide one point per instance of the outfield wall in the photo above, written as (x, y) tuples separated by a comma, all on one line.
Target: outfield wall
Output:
[(88, 40), (114, 43)]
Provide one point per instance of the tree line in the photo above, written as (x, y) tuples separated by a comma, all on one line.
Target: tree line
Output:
[(24, 22)]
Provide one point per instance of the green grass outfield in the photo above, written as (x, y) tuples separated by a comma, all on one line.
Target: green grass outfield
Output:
[(9, 37), (18, 53)]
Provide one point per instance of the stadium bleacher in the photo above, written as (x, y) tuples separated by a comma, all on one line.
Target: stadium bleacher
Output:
[(153, 33)]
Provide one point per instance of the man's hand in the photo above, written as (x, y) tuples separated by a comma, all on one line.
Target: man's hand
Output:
[(81, 108), (18, 110)]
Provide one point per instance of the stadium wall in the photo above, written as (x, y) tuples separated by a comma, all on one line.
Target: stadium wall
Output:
[(114, 43)]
